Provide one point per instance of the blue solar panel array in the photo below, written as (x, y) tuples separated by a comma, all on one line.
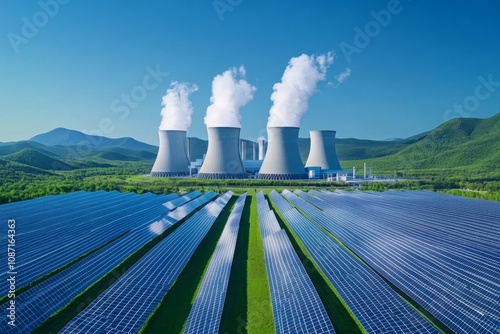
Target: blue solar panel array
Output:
[(39, 302), (58, 229), (125, 306), (378, 308), (441, 250), (297, 307), (206, 312)]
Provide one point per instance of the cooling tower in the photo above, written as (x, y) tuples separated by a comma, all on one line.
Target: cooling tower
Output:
[(172, 159), (322, 152), (223, 160), (282, 160), (262, 152)]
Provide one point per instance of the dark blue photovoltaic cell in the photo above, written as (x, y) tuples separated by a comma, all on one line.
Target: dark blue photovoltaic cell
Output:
[(49, 235), (441, 250), (125, 306), (207, 309), (38, 303), (378, 308), (297, 307)]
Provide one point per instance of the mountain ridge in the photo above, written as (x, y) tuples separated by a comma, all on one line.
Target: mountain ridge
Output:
[(457, 142)]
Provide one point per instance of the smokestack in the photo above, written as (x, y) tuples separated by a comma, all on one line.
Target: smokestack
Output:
[(354, 172), (364, 171), (322, 153), (282, 161), (243, 150), (254, 155), (172, 159), (223, 160), (262, 152), (188, 148)]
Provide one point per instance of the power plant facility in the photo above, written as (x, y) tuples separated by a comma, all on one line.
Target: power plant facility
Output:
[(223, 160), (172, 159), (262, 152), (282, 160), (322, 152)]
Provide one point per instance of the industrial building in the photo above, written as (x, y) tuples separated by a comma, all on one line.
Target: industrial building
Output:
[(223, 160), (172, 159), (282, 160)]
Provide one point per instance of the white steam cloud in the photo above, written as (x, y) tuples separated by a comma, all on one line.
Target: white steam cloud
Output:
[(291, 95), (230, 92), (177, 108), (342, 76)]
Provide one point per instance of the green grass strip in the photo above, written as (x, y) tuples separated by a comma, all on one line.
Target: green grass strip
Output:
[(260, 311)]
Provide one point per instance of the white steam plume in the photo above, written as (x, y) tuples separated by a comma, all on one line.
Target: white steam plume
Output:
[(342, 76), (291, 95), (230, 92), (177, 109)]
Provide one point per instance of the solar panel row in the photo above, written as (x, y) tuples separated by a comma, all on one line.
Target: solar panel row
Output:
[(453, 275), (42, 250), (297, 307), (38, 303), (377, 307), (125, 306), (206, 313)]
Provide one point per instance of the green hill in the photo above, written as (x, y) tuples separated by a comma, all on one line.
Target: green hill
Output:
[(355, 149), (461, 142), (37, 159), (121, 154)]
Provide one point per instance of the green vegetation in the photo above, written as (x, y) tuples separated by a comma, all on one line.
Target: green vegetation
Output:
[(460, 157), (171, 314), (260, 312), (342, 318)]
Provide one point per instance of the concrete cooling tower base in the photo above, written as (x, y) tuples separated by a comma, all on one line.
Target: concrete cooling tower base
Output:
[(172, 158), (222, 176), (282, 160), (169, 174), (322, 152), (282, 176), (223, 160)]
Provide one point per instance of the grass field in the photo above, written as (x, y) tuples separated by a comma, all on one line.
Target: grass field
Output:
[(260, 312)]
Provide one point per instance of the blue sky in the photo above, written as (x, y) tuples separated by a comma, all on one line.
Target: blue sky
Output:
[(83, 57)]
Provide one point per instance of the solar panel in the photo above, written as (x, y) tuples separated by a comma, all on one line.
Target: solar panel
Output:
[(207, 309), (297, 307), (126, 305), (440, 250), (378, 308), (39, 302), (42, 250)]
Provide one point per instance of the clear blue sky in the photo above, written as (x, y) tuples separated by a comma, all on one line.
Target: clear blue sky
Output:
[(73, 70)]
